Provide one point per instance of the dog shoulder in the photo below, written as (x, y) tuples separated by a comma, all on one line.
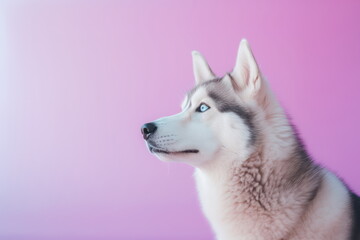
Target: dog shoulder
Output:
[(355, 207)]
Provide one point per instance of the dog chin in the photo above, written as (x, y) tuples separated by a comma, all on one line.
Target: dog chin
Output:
[(154, 150), (175, 157), (165, 157), (171, 155)]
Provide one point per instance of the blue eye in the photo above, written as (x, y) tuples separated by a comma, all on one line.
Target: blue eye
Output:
[(202, 108)]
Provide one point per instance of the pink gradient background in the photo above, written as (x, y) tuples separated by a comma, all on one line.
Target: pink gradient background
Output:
[(79, 78)]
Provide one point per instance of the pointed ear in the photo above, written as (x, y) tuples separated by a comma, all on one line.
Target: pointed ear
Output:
[(246, 71), (202, 71)]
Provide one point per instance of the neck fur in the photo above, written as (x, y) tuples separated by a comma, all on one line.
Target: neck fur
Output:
[(278, 161)]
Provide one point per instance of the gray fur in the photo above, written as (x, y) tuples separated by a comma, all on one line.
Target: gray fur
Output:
[(225, 103)]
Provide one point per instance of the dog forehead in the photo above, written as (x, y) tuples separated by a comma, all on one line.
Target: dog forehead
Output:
[(193, 97), (201, 90), (199, 94)]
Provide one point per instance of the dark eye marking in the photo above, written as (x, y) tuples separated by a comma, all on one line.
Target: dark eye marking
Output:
[(224, 105)]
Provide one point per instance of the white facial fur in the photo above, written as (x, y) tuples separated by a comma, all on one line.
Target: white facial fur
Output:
[(211, 132), (186, 130)]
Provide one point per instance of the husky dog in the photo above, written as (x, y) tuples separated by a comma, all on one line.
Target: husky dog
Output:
[(254, 177)]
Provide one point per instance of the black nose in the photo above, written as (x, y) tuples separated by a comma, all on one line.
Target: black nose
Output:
[(147, 129)]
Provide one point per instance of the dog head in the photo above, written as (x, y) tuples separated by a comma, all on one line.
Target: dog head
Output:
[(219, 115)]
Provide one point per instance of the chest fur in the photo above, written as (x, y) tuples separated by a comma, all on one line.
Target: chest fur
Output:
[(241, 206), (232, 212)]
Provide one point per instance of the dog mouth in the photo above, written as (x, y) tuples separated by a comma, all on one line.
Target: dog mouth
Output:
[(164, 151)]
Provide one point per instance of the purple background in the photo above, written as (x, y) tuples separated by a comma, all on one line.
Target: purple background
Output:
[(78, 79)]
